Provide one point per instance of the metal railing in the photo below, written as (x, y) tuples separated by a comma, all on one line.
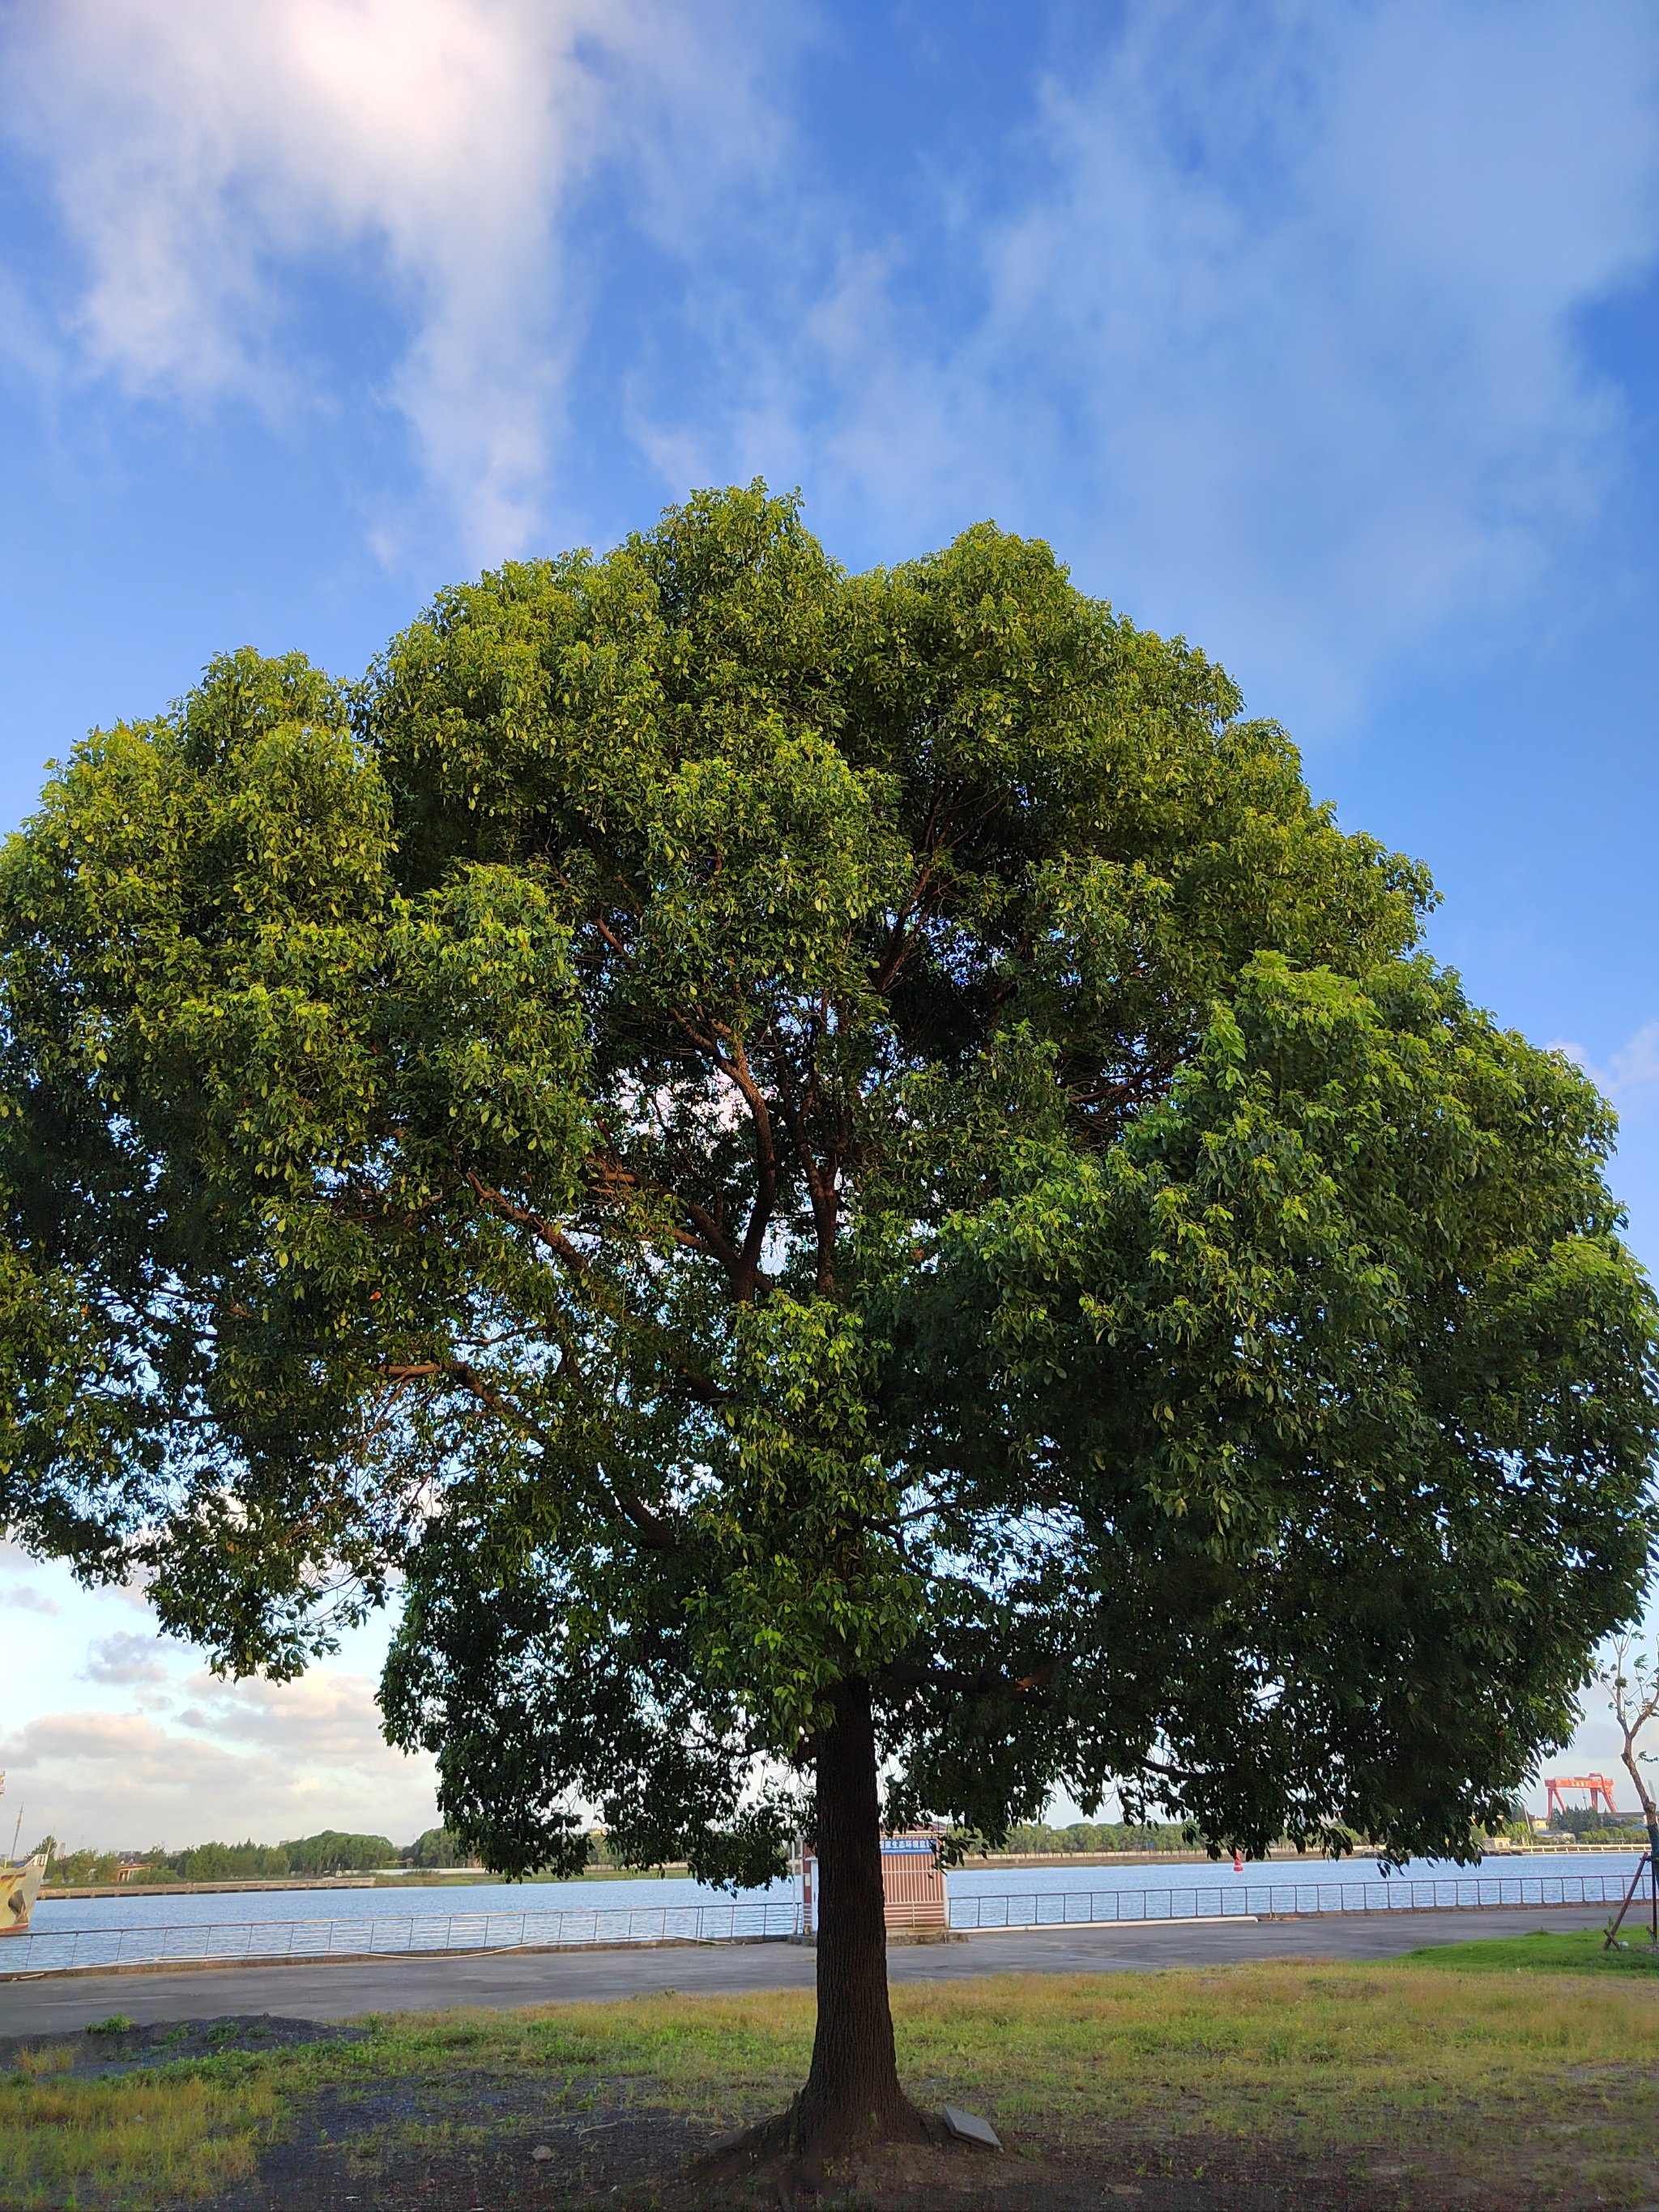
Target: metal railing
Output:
[(258, 1942), (1062, 1908)]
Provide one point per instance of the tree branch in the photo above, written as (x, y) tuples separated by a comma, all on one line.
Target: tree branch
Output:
[(547, 1232), (820, 1185), (607, 1175), (736, 1066), (647, 1526)]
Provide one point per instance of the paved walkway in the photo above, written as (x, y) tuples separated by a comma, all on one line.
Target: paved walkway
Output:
[(337, 1992)]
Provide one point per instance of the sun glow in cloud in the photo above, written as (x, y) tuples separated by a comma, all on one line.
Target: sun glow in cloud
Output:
[(1268, 314), (432, 150)]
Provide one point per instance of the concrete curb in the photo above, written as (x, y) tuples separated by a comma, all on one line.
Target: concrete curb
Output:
[(260, 1959)]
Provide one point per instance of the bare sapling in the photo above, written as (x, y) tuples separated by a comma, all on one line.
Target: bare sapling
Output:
[(1634, 1683)]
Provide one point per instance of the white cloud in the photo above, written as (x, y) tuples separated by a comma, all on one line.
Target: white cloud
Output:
[(1305, 282), (1271, 320), (126, 1658), (1280, 330), (1631, 1077), (200, 152), (23, 1597), (17, 1597), (264, 1759), (95, 1749), (330, 1716)]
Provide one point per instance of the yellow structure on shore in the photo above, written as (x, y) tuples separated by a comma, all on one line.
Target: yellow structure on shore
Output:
[(19, 1885)]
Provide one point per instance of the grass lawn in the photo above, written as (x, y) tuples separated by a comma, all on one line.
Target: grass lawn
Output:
[(1579, 1951), (1450, 2079)]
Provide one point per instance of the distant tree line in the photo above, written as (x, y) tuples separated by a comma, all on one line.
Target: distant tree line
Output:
[(1597, 1827), (1032, 1837), (331, 1852)]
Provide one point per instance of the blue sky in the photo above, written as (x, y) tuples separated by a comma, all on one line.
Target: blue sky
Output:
[(1324, 334)]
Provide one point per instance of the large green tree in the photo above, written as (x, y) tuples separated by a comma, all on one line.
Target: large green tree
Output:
[(841, 1187)]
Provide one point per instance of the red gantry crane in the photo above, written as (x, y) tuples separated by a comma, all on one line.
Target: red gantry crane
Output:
[(1598, 1785)]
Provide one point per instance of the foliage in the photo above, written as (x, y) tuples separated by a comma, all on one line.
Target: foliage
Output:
[(332, 1851), (437, 1847), (247, 1861), (730, 1130), (80, 1870), (1595, 1827), (1035, 1837)]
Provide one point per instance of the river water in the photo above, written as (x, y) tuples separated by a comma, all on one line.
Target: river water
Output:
[(1145, 1880)]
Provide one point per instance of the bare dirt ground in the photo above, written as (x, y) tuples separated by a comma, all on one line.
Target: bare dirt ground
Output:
[(480, 2141), (641, 2160)]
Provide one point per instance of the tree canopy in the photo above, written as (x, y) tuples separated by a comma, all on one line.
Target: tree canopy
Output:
[(814, 1171)]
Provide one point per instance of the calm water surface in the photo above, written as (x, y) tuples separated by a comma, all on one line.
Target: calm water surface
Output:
[(60, 1916)]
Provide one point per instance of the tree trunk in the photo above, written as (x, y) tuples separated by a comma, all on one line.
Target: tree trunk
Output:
[(1650, 1816), (851, 2092)]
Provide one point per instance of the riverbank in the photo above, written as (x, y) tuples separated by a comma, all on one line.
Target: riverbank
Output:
[(426, 1878)]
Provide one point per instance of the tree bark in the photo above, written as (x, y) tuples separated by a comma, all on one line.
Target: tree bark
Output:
[(1651, 1817), (851, 2092)]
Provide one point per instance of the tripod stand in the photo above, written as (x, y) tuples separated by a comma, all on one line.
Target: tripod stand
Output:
[(1648, 1863)]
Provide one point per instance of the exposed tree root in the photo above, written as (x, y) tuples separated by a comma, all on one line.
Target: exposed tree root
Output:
[(779, 2162)]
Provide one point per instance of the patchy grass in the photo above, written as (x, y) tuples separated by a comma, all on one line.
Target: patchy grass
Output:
[(1580, 1951), (138, 2142), (50, 2059), (1453, 2079)]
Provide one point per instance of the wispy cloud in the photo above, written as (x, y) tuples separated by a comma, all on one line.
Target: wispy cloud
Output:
[(1315, 270), (202, 155), (126, 1658), (1283, 336), (1272, 319), (1268, 312), (23, 1597), (1629, 1077)]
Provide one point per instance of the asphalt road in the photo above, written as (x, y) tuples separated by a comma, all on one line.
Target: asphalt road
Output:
[(326, 1991)]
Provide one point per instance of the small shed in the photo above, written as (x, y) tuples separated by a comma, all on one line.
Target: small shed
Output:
[(912, 1882)]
